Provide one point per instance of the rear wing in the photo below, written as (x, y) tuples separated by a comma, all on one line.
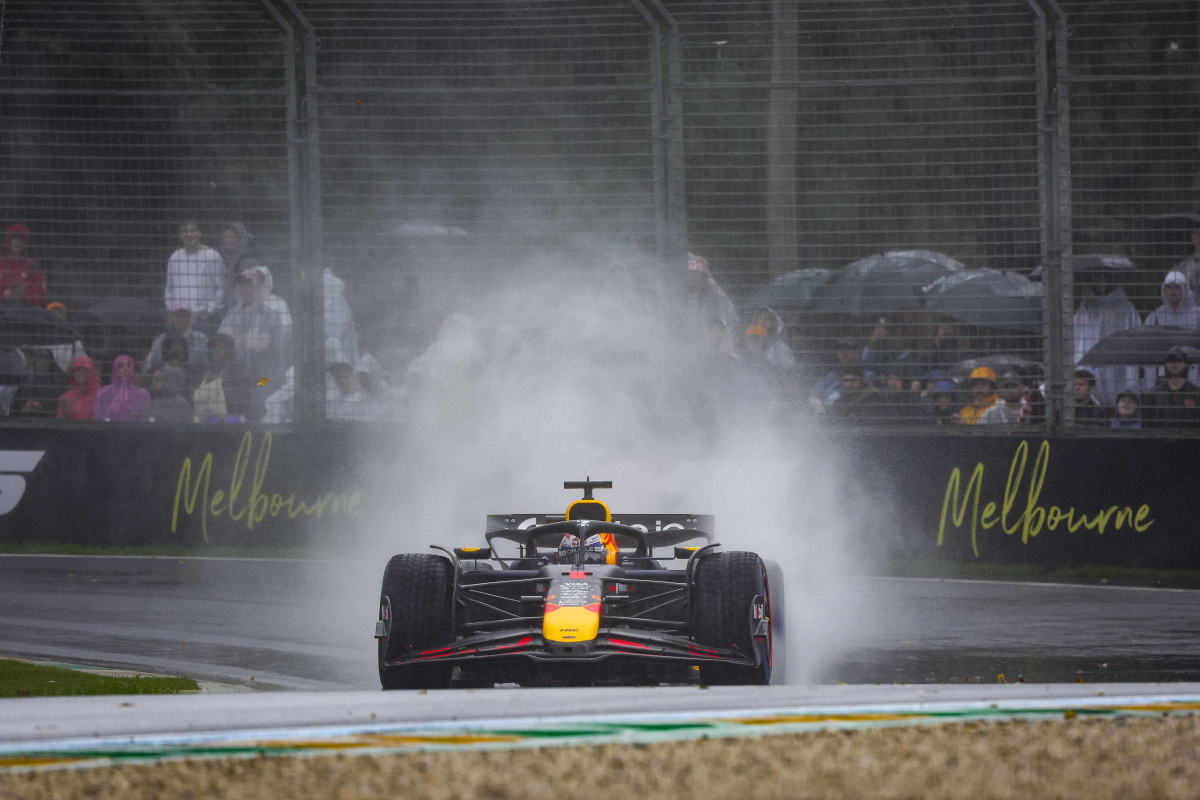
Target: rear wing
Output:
[(662, 530)]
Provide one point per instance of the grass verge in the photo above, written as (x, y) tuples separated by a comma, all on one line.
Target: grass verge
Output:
[(22, 679), (1093, 574)]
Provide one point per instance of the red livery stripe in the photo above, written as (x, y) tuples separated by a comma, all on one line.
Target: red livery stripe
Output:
[(626, 643), (524, 641)]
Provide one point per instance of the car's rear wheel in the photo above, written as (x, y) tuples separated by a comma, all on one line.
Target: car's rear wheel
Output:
[(731, 607), (415, 606)]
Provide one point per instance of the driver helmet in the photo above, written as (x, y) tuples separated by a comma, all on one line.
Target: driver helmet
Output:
[(567, 548), (594, 551)]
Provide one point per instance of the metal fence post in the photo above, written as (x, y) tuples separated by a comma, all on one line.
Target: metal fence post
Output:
[(1059, 286), (297, 225), (310, 363), (658, 132), (676, 250)]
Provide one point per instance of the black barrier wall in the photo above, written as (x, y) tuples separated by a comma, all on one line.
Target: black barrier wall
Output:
[(231, 486), (1051, 501)]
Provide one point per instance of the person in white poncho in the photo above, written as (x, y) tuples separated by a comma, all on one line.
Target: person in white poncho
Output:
[(1178, 309), (1101, 315), (261, 329)]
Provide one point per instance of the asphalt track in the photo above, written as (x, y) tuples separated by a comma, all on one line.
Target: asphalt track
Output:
[(306, 625)]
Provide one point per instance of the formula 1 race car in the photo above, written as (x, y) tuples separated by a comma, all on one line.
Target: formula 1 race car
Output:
[(583, 602)]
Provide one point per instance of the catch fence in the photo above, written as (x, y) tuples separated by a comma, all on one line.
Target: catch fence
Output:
[(887, 196)]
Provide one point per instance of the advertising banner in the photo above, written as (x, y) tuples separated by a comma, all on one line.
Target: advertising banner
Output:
[(231, 486), (1048, 501)]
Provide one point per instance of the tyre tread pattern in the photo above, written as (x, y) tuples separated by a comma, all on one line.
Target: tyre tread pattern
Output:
[(725, 585), (419, 586)]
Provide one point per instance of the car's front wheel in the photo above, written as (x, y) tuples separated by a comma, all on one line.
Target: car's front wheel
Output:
[(731, 607), (415, 608)]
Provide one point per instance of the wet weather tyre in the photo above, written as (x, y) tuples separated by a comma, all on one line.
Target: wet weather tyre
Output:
[(415, 606), (726, 585)]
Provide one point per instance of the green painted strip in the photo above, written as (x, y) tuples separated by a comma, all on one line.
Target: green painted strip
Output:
[(408, 739)]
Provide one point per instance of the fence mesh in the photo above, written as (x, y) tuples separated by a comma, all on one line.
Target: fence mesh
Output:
[(120, 121), (458, 138), (832, 133), (1133, 90), (888, 196)]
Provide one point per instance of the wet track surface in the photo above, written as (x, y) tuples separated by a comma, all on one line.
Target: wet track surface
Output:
[(307, 625)]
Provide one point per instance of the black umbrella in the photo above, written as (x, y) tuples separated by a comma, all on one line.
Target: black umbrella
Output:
[(127, 312), (988, 298), (1000, 363), (794, 290), (1097, 268), (1145, 345), (33, 326), (884, 284), (1099, 263)]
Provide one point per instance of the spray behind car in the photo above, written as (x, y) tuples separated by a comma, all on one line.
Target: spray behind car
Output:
[(576, 367)]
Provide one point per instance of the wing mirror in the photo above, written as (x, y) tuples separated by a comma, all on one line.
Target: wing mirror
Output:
[(473, 553)]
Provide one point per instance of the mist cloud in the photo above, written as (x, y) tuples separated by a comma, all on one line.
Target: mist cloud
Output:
[(594, 366)]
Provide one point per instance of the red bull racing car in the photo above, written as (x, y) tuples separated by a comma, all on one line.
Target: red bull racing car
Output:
[(584, 600)]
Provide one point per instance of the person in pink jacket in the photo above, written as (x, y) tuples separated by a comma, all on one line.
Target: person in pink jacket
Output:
[(122, 400)]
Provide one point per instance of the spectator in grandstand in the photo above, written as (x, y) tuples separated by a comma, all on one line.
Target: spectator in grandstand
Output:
[(858, 399), (38, 396), (1128, 412), (223, 394), (179, 326), (196, 280), (849, 354), (379, 394), (235, 250), (891, 347), (1190, 266), (720, 343), (339, 323), (1009, 404), (122, 400), (20, 280), (261, 329), (1033, 404), (942, 350), (176, 353), (897, 402), (766, 336), (1088, 411), (941, 402), (167, 396), (236, 245), (708, 299), (344, 398), (79, 401), (64, 354), (1174, 402), (982, 384), (281, 404), (1179, 304), (1101, 313)]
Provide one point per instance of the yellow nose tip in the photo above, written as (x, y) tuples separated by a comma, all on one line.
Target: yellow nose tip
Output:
[(263, 382)]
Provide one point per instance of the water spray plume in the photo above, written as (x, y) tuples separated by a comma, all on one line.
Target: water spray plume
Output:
[(601, 368)]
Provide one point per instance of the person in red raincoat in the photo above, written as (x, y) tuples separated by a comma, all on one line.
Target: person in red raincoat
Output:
[(79, 401), (20, 280)]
